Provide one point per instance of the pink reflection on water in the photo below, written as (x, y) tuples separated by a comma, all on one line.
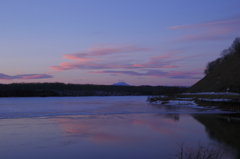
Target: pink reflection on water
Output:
[(164, 126), (101, 137), (109, 129)]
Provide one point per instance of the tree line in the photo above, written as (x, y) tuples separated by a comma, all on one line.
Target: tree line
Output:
[(233, 50), (62, 89)]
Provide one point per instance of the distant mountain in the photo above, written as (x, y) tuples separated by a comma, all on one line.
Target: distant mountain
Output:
[(222, 74), (121, 84)]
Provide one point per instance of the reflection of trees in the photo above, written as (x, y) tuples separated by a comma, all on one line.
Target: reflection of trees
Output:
[(168, 109), (235, 105), (222, 128), (174, 116)]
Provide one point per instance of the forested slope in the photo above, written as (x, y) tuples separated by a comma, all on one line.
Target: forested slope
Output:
[(222, 74)]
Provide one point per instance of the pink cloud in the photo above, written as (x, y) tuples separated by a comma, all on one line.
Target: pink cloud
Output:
[(185, 74), (25, 76), (91, 58), (213, 34), (57, 68), (232, 22), (111, 65), (171, 66), (76, 57), (163, 57), (131, 73), (101, 50), (164, 61), (115, 49), (79, 65), (215, 30), (157, 73), (32, 76), (84, 61)]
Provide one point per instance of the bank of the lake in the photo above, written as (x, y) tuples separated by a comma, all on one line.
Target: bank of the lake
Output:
[(223, 100)]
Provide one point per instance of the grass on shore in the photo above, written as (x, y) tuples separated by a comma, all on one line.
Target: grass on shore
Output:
[(210, 96), (210, 151), (231, 101)]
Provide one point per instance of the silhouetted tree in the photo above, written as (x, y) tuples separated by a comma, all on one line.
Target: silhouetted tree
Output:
[(225, 54), (236, 46)]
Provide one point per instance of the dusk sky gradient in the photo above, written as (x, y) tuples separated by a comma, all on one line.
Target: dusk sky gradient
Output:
[(140, 42)]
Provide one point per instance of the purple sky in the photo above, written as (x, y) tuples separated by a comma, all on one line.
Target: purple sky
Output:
[(104, 41)]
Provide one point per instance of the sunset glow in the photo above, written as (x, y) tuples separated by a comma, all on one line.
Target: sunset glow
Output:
[(104, 42)]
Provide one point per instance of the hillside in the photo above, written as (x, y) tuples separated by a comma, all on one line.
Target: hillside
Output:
[(226, 77), (223, 74)]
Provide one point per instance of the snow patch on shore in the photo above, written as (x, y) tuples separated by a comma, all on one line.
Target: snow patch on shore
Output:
[(180, 102), (212, 93), (215, 100), (177, 102)]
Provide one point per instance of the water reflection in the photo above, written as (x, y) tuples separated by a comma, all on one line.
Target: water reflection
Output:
[(128, 128), (190, 109), (223, 128), (116, 127), (174, 116), (109, 136)]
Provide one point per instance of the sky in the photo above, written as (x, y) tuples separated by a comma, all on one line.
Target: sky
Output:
[(140, 42)]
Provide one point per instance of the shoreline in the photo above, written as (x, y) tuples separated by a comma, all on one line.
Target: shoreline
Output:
[(223, 100)]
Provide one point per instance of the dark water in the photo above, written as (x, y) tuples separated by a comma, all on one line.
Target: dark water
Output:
[(110, 127)]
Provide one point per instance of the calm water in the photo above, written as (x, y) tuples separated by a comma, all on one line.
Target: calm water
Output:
[(109, 128)]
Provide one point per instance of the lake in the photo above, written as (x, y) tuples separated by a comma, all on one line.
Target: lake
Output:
[(111, 128)]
